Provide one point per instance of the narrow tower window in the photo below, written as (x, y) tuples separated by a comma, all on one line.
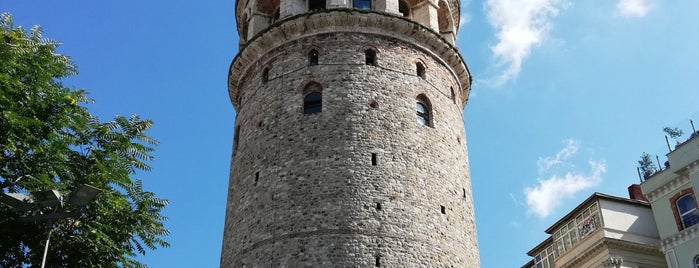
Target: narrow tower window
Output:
[(361, 4), (378, 261), (316, 5), (444, 209), (313, 57), (257, 177), (313, 103), (420, 69), (453, 95), (403, 8), (369, 57), (373, 159), (235, 139), (378, 206), (265, 75), (423, 110)]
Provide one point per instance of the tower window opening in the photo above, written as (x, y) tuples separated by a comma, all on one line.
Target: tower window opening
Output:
[(316, 5), (420, 70), (275, 16), (423, 110), (464, 190), (265, 75), (361, 4), (373, 159), (257, 177), (313, 103), (444, 209), (378, 261), (378, 206), (403, 8), (453, 95), (236, 139), (313, 57), (370, 57)]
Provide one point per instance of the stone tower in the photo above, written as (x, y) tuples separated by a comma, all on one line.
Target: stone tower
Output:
[(349, 145)]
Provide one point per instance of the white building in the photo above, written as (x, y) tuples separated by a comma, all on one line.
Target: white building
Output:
[(603, 231), (671, 193)]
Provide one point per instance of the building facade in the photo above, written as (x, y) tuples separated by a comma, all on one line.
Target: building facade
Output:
[(349, 146), (671, 192), (603, 231)]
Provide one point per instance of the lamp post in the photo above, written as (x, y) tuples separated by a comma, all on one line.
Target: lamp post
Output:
[(50, 199)]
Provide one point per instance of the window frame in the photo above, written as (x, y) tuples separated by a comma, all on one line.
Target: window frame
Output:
[(313, 57), (691, 212), (420, 69), (425, 116), (355, 6)]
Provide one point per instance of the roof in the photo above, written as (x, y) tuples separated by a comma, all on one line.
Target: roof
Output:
[(595, 196)]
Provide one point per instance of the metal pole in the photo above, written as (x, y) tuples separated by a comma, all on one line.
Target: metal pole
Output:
[(46, 247)]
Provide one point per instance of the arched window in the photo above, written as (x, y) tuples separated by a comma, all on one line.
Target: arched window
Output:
[(370, 57), (313, 57), (423, 110), (361, 4), (313, 98), (265, 75), (313, 103), (687, 210), (420, 69), (316, 5), (403, 8), (696, 261)]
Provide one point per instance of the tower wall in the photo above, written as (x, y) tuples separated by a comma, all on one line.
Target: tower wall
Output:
[(361, 183)]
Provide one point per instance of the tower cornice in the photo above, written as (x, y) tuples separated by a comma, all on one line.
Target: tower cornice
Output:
[(346, 20)]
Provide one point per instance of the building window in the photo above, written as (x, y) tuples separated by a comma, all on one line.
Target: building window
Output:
[(316, 5), (420, 69), (423, 110), (361, 4), (687, 210), (453, 95), (313, 57), (696, 261), (236, 139), (370, 57)]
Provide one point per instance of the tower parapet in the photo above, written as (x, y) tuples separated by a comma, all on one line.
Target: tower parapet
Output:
[(349, 145)]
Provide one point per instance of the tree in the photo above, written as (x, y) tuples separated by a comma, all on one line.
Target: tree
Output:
[(49, 141), (646, 165), (673, 132)]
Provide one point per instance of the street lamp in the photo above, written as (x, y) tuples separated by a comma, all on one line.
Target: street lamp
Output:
[(47, 199)]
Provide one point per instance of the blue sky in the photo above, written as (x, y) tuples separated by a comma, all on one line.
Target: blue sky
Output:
[(566, 97)]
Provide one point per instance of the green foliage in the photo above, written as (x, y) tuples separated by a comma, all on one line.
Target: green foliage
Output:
[(673, 132), (647, 166), (49, 141)]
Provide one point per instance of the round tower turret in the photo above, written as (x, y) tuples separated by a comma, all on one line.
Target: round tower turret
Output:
[(349, 145)]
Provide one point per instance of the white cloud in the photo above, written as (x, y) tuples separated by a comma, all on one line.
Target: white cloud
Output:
[(549, 193), (520, 25), (545, 163), (633, 8)]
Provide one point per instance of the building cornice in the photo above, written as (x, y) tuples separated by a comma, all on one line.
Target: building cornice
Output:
[(667, 188), (680, 238), (605, 243)]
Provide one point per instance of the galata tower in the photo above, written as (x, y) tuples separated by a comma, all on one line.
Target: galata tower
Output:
[(349, 147)]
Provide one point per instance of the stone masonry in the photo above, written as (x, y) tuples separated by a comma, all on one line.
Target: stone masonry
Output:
[(361, 183)]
